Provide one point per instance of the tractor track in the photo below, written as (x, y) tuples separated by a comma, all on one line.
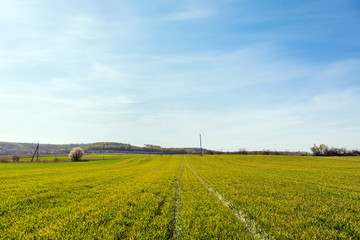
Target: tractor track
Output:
[(250, 224)]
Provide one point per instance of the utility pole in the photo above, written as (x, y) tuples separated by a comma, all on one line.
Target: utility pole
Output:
[(201, 146), (36, 152)]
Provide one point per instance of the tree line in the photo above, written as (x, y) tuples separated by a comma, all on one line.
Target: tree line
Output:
[(114, 147), (321, 150), (325, 150), (97, 148)]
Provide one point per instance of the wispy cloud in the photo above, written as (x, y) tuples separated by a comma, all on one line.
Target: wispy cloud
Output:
[(189, 15)]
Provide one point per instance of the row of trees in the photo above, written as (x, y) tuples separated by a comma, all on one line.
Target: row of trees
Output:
[(111, 147), (24, 149), (243, 151), (321, 150), (325, 150), (101, 147), (7, 148)]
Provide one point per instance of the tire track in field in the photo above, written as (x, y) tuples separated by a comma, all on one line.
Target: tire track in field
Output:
[(250, 224), (174, 231)]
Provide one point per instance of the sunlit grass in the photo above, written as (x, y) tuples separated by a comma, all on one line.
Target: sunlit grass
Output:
[(134, 197), (291, 197)]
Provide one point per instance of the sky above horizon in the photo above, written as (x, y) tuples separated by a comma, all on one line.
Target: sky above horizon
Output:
[(278, 75)]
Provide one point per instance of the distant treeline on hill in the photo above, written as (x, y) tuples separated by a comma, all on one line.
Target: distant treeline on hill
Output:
[(98, 148), (7, 148), (321, 150), (263, 152)]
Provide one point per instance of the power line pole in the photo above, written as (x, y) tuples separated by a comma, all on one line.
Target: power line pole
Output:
[(36, 153), (201, 146)]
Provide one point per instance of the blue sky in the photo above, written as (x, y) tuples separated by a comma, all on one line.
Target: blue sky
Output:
[(279, 75)]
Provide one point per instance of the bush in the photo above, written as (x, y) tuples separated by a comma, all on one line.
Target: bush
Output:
[(76, 154), (15, 158), (355, 153), (243, 151), (4, 160), (266, 152)]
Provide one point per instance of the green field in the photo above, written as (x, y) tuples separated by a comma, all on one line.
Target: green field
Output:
[(182, 197)]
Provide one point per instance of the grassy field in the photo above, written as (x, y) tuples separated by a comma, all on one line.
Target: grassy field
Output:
[(182, 197)]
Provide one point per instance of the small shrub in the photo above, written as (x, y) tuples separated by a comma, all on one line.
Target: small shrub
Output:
[(355, 153), (76, 154), (243, 151), (56, 159), (266, 152), (15, 158), (4, 160)]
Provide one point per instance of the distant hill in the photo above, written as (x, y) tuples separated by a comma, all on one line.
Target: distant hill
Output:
[(7, 148)]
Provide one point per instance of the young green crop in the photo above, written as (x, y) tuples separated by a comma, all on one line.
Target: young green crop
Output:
[(123, 199), (203, 215), (177, 197), (290, 197)]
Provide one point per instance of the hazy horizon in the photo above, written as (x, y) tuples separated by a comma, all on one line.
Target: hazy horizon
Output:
[(275, 75)]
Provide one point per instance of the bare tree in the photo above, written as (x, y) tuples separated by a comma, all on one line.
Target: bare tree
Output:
[(76, 154)]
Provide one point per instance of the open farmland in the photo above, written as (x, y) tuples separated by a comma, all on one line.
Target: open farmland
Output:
[(182, 197)]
